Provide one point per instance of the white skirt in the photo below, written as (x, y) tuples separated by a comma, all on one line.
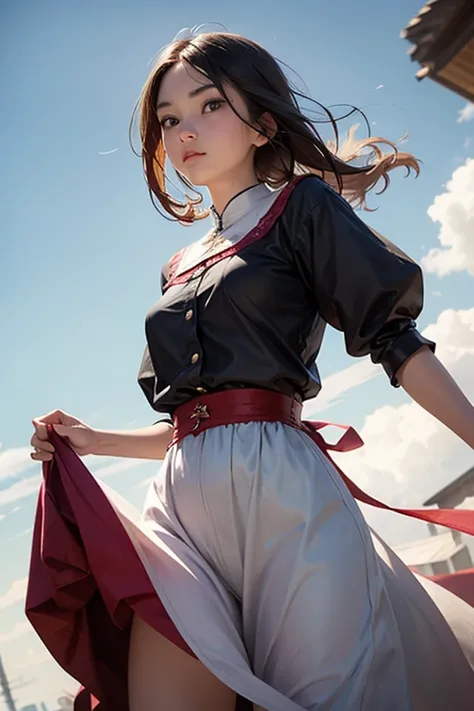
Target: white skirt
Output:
[(267, 568)]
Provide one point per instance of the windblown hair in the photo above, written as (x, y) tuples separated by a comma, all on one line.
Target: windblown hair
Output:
[(295, 148)]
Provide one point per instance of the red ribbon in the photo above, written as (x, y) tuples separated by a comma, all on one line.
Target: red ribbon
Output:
[(458, 519)]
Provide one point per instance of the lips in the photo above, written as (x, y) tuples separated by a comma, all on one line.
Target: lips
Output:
[(191, 154)]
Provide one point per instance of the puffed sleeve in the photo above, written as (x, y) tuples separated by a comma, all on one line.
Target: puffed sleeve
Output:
[(147, 381), (363, 284)]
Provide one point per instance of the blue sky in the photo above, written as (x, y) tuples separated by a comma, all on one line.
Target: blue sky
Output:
[(82, 247)]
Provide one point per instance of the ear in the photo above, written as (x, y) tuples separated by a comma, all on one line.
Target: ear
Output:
[(268, 125)]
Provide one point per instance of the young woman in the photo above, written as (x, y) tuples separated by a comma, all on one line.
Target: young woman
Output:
[(275, 588)]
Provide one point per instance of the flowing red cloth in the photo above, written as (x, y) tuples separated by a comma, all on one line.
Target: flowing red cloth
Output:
[(86, 579)]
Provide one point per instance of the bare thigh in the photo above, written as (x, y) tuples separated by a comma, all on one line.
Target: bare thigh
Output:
[(163, 676)]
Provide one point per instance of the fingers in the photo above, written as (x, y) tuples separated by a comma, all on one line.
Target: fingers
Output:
[(62, 430), (41, 430), (39, 444), (56, 417), (40, 441), (43, 450), (41, 456)]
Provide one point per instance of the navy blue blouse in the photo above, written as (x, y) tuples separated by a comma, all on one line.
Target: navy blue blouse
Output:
[(254, 314)]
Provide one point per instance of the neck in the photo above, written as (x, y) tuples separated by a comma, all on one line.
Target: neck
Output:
[(229, 186)]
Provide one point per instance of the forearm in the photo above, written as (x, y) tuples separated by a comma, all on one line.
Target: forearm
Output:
[(146, 443), (428, 382)]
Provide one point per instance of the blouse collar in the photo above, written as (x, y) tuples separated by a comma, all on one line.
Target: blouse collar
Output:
[(239, 205)]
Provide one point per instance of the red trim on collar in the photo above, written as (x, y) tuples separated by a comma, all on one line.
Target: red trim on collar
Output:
[(260, 230), (173, 264)]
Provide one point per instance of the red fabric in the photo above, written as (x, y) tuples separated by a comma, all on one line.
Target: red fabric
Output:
[(85, 580), (460, 583), (234, 406), (246, 405)]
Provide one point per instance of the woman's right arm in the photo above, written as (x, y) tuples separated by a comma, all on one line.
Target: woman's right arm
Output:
[(145, 443)]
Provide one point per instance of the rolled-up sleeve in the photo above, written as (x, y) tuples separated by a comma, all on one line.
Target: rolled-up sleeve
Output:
[(363, 285)]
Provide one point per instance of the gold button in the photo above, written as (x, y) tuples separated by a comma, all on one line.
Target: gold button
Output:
[(189, 315), (201, 390), (195, 358)]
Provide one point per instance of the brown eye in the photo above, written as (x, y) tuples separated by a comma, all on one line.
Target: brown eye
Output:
[(168, 122), (213, 105)]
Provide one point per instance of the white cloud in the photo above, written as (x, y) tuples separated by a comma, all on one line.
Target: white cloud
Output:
[(16, 593), (35, 657), (108, 153), (22, 488), (26, 487), (121, 465), (145, 482), (408, 455), (454, 210), (466, 113), (14, 462), (29, 486), (335, 385), (17, 630)]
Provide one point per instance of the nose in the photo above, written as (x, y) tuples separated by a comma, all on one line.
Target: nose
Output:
[(187, 133)]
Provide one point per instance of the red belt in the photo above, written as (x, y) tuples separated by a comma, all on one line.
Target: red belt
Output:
[(228, 407)]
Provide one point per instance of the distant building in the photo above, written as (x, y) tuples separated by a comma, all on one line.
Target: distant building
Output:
[(443, 552), (458, 494), (455, 493), (442, 35), (439, 554)]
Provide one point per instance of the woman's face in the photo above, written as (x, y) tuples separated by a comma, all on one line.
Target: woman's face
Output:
[(203, 138)]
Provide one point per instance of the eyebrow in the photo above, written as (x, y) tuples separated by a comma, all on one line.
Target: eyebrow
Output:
[(192, 94)]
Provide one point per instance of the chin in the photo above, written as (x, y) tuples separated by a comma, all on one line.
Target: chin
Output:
[(199, 178)]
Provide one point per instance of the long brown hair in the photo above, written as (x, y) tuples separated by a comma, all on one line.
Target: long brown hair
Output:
[(295, 148)]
